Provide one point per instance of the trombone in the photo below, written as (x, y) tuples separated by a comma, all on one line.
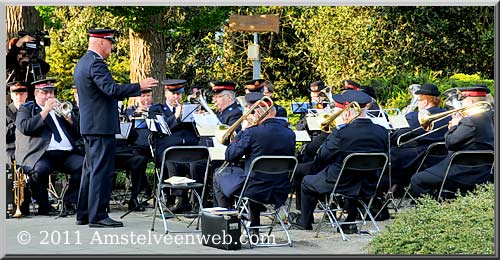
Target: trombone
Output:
[(224, 133), (329, 120), (428, 120)]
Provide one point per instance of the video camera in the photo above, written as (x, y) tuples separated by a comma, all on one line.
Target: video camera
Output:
[(33, 48)]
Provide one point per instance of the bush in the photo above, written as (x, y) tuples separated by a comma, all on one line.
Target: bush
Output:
[(464, 225)]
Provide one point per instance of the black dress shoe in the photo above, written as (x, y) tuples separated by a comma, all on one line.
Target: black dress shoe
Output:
[(108, 222), (48, 212), (181, 207), (134, 204), (296, 222), (82, 222), (349, 228)]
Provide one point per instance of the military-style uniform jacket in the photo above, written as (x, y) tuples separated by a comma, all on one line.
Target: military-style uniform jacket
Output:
[(33, 134), (272, 137), (472, 133), (230, 115), (405, 159), (99, 95), (182, 133), (11, 131), (361, 135)]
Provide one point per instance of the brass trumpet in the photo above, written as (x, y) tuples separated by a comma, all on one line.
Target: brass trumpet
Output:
[(329, 123), (19, 184), (63, 109), (428, 120), (224, 133)]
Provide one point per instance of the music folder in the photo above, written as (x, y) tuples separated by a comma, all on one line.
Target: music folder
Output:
[(124, 130), (302, 136), (399, 121), (314, 123), (206, 124)]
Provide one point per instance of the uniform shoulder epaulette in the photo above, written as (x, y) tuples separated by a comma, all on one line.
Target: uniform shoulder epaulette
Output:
[(27, 103), (341, 126)]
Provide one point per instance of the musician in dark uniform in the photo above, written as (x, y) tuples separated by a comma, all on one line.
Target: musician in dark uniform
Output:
[(98, 96), (175, 133), (44, 143), (350, 84), (268, 91), (317, 100), (271, 136), (224, 97), (308, 151), (358, 135), (406, 158), (18, 95), (471, 132), (254, 85), (138, 114)]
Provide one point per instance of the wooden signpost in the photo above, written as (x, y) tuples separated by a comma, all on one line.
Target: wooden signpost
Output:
[(255, 23)]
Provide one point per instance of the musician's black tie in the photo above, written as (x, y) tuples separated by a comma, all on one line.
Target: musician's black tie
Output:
[(53, 127)]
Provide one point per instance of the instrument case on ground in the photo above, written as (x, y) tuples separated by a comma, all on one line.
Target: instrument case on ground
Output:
[(221, 231)]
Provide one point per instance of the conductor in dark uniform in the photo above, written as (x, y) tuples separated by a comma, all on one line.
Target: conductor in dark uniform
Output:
[(18, 94), (98, 96), (407, 157), (175, 133), (45, 141), (358, 135), (471, 132), (271, 136)]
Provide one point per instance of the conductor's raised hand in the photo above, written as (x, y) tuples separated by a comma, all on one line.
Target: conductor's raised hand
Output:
[(148, 83)]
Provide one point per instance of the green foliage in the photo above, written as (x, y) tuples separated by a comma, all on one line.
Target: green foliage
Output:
[(464, 225), (70, 42)]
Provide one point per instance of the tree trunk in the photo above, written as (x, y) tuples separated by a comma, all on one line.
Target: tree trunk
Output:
[(23, 18), (147, 59)]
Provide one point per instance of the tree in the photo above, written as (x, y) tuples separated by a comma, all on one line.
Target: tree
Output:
[(22, 18)]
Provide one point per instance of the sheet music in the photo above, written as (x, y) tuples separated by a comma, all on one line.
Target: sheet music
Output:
[(206, 124), (381, 121), (399, 121), (302, 136), (218, 152), (313, 123), (124, 130), (163, 124), (188, 111), (151, 125)]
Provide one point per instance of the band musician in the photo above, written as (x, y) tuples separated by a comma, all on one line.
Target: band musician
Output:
[(406, 158), (45, 143), (465, 132), (271, 136), (360, 134), (18, 95), (178, 133)]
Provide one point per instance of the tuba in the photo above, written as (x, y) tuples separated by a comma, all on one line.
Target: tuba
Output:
[(224, 133), (329, 123), (414, 99), (63, 109), (428, 120), (202, 101), (18, 189)]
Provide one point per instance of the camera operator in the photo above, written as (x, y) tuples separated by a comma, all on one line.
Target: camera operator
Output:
[(23, 63)]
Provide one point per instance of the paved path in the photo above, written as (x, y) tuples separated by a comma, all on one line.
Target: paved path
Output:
[(48, 235)]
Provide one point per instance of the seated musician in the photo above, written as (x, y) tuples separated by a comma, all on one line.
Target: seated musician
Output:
[(18, 95), (254, 85), (45, 143), (359, 134), (317, 101), (406, 158), (268, 91), (270, 136), (465, 132), (138, 114), (178, 134), (308, 152), (224, 98)]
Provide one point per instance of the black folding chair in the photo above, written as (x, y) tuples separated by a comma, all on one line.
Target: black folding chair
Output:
[(473, 160), (271, 165), (435, 153), (362, 164), (180, 154)]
